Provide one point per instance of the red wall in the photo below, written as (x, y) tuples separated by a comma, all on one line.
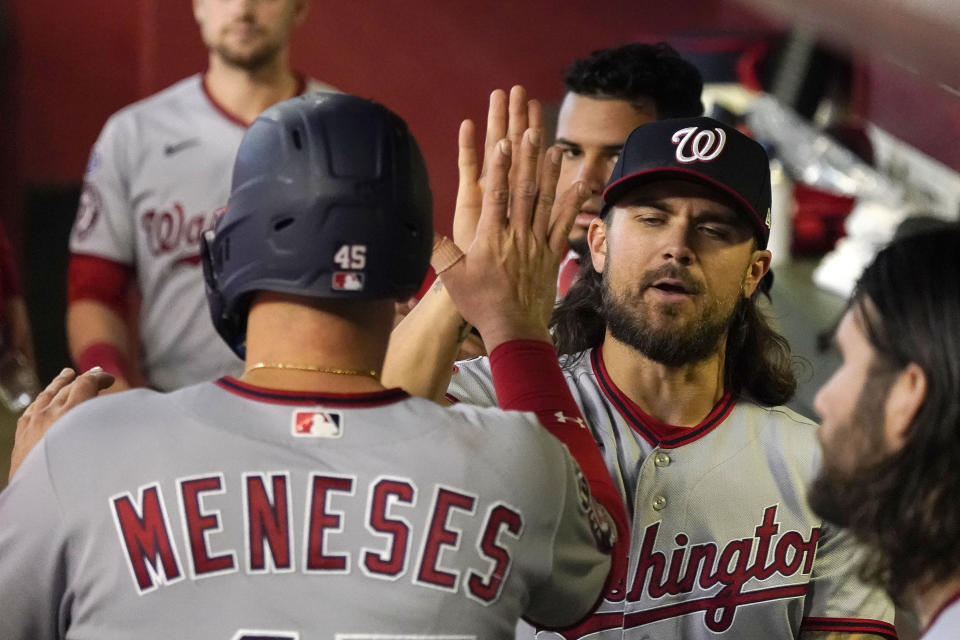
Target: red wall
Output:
[(915, 110), (434, 62)]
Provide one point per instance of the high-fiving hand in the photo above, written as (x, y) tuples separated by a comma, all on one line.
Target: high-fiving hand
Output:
[(506, 283)]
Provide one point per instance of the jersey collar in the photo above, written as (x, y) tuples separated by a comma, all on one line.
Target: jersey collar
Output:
[(222, 110), (341, 400), (946, 605), (651, 429)]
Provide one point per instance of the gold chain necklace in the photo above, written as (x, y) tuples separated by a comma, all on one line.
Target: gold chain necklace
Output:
[(308, 367)]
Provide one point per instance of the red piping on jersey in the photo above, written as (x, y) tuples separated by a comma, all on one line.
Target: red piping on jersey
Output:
[(641, 618), (301, 87), (954, 598), (850, 625), (657, 433), (281, 396)]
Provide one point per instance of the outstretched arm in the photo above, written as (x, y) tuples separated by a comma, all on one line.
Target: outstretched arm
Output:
[(505, 285)]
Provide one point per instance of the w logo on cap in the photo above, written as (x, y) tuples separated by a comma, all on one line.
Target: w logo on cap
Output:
[(695, 145)]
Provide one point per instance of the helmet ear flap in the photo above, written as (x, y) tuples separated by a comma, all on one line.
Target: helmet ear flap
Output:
[(226, 325), (210, 273)]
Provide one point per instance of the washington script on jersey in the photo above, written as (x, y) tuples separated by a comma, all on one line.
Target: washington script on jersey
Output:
[(727, 571), (148, 541), (172, 231)]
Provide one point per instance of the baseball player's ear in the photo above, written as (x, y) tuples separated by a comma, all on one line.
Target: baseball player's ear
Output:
[(758, 267), (597, 241), (904, 400), (198, 10)]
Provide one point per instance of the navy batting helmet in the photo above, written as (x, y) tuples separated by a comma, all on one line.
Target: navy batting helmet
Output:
[(329, 199)]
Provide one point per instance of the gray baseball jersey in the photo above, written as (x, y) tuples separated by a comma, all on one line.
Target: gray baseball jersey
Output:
[(226, 511), (723, 542), (946, 624), (158, 176)]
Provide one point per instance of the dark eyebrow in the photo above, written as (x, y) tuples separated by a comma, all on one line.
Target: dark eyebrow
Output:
[(609, 148), (732, 218), (662, 205), (567, 143)]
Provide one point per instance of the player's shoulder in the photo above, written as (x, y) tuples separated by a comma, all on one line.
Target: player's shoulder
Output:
[(99, 413), (777, 427), (312, 85), (774, 422), (777, 417), (494, 416), (572, 366), (180, 97), (495, 425), (186, 90), (94, 428), (511, 441), (470, 417)]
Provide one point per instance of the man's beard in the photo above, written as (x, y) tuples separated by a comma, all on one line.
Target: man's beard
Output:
[(851, 498), (249, 61), (630, 320)]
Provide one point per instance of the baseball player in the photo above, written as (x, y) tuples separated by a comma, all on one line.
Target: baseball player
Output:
[(158, 176), (607, 95), (681, 378), (304, 500), (891, 426)]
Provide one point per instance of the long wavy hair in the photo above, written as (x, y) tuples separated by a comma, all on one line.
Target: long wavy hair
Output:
[(908, 301), (758, 360)]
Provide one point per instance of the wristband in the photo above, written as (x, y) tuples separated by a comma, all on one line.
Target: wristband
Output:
[(106, 356), (445, 254)]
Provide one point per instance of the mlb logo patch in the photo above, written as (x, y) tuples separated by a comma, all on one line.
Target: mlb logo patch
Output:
[(316, 424), (347, 281)]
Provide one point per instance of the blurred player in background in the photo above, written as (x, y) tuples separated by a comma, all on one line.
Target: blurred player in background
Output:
[(891, 426), (608, 95), (158, 176)]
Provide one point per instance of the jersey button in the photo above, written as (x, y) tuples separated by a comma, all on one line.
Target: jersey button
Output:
[(661, 460), (659, 503)]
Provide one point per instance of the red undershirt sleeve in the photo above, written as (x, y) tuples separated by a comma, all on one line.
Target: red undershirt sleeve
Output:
[(98, 279), (527, 377)]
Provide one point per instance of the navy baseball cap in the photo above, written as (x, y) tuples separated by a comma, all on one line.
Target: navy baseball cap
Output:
[(702, 150)]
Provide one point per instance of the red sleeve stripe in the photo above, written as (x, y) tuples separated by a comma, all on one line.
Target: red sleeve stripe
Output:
[(106, 356), (99, 279), (850, 625), (527, 377)]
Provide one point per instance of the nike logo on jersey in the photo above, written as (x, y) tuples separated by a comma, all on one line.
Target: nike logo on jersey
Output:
[(171, 149)]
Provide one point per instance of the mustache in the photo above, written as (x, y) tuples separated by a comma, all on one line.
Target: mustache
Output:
[(672, 271)]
